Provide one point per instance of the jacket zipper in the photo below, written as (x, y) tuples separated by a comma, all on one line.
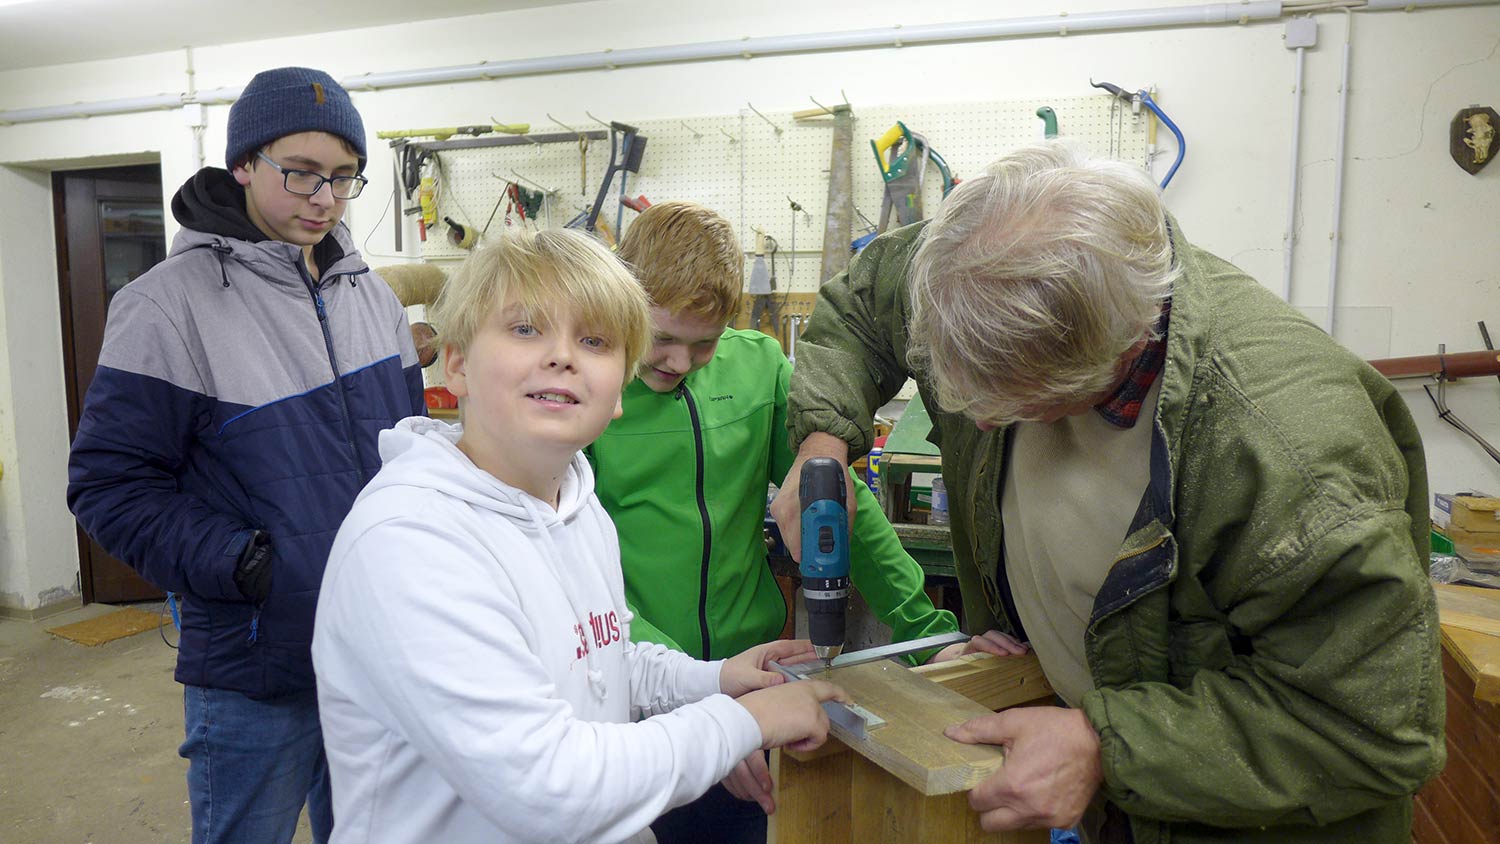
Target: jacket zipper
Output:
[(338, 379), (682, 390)]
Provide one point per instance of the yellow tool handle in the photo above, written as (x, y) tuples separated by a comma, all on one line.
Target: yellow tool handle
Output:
[(427, 199), (885, 142), (443, 133), (891, 136)]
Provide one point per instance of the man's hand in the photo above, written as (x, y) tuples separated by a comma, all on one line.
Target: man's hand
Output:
[(1051, 771), (787, 508), (252, 574), (991, 642), (751, 780), (750, 669)]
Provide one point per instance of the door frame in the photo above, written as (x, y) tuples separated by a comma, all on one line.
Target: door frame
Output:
[(120, 182)]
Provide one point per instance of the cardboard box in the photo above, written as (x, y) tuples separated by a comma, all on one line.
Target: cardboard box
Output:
[(1465, 512), (1474, 546)]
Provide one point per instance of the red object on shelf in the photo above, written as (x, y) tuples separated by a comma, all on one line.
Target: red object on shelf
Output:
[(438, 398), (1454, 365)]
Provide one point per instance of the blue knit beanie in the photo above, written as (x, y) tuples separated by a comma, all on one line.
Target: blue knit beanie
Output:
[(289, 100)]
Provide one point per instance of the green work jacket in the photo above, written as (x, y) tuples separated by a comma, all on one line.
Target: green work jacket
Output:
[(684, 476), (1265, 647)]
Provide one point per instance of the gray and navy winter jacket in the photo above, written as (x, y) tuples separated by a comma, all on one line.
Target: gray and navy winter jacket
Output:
[(234, 393)]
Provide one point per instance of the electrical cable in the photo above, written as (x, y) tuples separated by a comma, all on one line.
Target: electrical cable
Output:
[(161, 627)]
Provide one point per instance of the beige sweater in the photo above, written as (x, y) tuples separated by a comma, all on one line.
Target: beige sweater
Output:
[(1070, 490)]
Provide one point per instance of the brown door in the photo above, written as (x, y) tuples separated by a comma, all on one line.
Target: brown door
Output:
[(109, 230)]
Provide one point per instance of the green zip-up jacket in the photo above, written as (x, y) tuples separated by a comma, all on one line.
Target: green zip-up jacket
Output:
[(684, 476), (1265, 648)]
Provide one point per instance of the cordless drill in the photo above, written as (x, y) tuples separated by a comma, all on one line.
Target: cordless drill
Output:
[(825, 553)]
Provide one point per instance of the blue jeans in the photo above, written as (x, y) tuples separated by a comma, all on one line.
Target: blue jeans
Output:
[(252, 765)]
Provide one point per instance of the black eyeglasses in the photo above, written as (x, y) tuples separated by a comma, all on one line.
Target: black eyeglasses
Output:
[(307, 183)]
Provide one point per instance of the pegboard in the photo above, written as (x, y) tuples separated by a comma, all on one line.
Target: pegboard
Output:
[(745, 169)]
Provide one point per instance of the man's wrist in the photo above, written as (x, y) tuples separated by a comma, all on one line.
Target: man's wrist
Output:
[(822, 444)]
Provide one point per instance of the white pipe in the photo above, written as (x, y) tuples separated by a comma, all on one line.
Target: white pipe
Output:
[(1290, 239), (894, 36), (1338, 181), (1240, 12), (198, 116), (1386, 5)]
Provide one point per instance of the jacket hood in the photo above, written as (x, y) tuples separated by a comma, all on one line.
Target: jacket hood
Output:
[(213, 203), (423, 453)]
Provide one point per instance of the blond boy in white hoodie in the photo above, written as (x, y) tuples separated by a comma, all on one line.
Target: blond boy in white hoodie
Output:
[(475, 671)]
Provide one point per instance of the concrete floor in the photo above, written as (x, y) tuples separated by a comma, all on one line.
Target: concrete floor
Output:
[(89, 736)]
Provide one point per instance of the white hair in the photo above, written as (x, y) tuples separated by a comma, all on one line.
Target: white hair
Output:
[(1035, 278)]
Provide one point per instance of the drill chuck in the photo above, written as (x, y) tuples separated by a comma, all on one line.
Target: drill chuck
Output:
[(827, 600)]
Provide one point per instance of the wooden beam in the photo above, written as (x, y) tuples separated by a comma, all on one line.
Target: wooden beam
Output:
[(994, 682), (887, 812), (910, 744), (813, 796), (1469, 607)]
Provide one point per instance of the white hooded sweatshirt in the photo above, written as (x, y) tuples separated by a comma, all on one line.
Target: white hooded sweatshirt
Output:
[(476, 677)]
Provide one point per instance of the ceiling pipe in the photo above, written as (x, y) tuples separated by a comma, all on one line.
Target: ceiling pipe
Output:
[(1240, 12), (742, 48)]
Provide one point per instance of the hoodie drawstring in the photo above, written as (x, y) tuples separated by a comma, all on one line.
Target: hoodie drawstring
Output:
[(596, 677), (221, 249)]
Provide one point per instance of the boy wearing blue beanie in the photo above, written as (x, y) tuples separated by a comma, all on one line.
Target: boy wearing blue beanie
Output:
[(229, 426)]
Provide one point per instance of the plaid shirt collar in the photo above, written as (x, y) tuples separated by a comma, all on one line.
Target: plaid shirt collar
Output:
[(1123, 407)]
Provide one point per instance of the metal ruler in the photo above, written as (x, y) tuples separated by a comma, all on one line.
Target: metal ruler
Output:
[(852, 718)]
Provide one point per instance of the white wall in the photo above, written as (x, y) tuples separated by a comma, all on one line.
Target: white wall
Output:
[(1419, 257), (38, 544)]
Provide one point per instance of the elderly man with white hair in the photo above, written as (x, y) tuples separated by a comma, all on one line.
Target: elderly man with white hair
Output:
[(1207, 517)]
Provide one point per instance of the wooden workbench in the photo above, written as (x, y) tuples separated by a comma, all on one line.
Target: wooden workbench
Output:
[(1462, 806)]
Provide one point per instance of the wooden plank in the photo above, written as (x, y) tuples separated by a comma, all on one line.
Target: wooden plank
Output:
[(1471, 724), (1457, 826), (1479, 656), (889, 813), (994, 682), (1469, 607), (1473, 790), (911, 744), (1425, 829), (812, 797)]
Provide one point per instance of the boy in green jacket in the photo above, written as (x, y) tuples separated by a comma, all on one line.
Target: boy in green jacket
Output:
[(684, 474)]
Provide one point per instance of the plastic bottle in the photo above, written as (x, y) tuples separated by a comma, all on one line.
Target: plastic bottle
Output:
[(939, 515)]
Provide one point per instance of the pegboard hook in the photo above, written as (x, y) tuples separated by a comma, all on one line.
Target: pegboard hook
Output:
[(696, 134), (732, 139), (546, 190), (564, 125), (597, 120), (768, 120)]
